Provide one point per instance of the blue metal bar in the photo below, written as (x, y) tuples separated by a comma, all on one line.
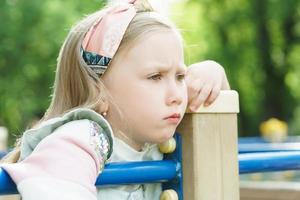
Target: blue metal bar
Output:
[(266, 162), (138, 172), (268, 147), (117, 173), (243, 140), (247, 140), (3, 153), (176, 183), (7, 186)]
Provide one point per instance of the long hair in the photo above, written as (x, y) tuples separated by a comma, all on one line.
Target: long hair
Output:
[(76, 85)]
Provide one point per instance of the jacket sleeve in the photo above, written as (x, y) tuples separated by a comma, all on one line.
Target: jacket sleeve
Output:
[(64, 165)]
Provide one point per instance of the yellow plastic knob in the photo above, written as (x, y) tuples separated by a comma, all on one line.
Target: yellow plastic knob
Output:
[(169, 195), (168, 146), (274, 130)]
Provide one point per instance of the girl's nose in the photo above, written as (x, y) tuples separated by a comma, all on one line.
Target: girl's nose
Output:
[(174, 93)]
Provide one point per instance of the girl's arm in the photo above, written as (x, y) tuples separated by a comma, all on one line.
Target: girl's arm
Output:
[(64, 165), (204, 81)]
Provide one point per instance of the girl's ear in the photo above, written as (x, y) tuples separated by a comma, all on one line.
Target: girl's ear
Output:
[(102, 107)]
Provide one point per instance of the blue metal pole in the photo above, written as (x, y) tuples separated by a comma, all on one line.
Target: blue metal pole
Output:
[(266, 162), (243, 140), (117, 173), (7, 186), (248, 140), (138, 172), (268, 147), (176, 183), (3, 153)]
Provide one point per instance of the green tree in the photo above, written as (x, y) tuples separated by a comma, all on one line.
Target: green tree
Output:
[(257, 42), (31, 34)]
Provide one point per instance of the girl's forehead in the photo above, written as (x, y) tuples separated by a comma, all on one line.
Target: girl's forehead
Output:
[(160, 50)]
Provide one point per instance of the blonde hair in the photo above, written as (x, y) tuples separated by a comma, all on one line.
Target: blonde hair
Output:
[(76, 85)]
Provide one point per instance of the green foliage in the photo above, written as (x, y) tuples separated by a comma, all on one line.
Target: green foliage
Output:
[(31, 34), (257, 42)]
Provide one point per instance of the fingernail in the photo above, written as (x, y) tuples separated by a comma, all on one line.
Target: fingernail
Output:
[(206, 104), (193, 108)]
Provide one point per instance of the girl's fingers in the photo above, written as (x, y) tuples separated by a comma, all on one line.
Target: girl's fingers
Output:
[(213, 94), (193, 89), (202, 96)]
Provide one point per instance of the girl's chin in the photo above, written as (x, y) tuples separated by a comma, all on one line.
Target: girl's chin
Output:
[(166, 137)]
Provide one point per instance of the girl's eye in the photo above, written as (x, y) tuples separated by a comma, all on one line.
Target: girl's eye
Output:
[(155, 77), (181, 77)]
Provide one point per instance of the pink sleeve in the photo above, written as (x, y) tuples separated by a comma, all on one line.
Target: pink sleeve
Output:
[(74, 153)]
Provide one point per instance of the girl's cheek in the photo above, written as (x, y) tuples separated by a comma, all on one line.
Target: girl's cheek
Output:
[(185, 94)]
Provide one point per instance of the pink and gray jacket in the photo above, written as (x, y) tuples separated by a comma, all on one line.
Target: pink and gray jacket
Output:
[(62, 158)]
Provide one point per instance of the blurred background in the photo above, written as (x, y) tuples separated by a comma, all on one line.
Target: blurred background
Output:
[(257, 42)]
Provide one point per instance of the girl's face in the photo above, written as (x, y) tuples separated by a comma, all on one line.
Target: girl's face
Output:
[(147, 84)]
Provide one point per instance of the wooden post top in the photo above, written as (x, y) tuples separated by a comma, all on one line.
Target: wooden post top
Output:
[(226, 102)]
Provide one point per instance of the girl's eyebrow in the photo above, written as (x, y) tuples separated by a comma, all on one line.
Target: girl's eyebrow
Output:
[(164, 68)]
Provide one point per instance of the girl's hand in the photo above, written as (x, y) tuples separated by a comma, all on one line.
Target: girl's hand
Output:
[(204, 81)]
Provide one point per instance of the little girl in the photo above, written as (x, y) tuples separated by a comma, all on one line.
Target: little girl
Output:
[(119, 90)]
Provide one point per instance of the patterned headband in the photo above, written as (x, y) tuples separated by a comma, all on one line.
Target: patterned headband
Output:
[(103, 39)]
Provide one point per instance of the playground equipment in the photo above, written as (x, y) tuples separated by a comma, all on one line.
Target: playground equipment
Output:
[(274, 130), (205, 163), (273, 152)]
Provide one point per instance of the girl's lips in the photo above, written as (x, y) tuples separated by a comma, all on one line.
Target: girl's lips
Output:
[(175, 115), (174, 118)]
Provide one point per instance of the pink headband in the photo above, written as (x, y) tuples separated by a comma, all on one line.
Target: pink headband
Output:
[(102, 40)]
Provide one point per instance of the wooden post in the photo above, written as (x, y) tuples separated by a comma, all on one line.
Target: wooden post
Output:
[(210, 154)]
